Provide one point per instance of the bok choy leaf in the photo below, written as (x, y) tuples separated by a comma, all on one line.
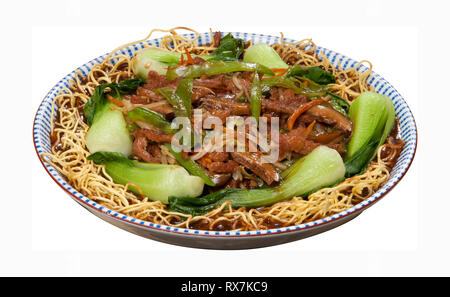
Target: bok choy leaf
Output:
[(230, 49)]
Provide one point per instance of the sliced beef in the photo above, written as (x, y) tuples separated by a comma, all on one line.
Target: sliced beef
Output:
[(147, 152), (215, 82), (136, 99), (277, 107), (217, 38), (155, 81), (330, 116), (219, 179), (253, 162), (199, 92), (164, 109), (154, 136), (222, 167), (320, 113), (236, 108), (219, 156), (296, 141), (222, 114), (219, 162), (198, 61), (326, 137), (147, 93)]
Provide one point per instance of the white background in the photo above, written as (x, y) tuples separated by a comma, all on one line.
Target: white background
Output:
[(44, 232)]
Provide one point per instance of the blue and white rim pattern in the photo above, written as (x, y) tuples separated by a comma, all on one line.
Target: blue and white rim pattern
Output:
[(407, 130)]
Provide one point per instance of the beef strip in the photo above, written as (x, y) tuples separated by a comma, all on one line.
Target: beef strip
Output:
[(295, 141), (254, 163), (215, 82), (155, 81), (236, 108), (147, 93), (320, 113), (198, 61), (219, 162), (219, 179), (154, 136), (330, 116), (219, 156), (217, 38), (148, 153), (229, 166)]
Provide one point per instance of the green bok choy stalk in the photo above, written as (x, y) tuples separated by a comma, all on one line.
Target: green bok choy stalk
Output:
[(108, 128), (322, 167), (156, 181), (264, 54), (373, 117)]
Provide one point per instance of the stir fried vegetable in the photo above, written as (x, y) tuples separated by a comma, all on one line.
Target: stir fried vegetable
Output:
[(151, 117), (263, 54), (373, 117), (108, 128), (315, 74), (109, 132), (156, 181), (255, 97), (98, 100), (339, 103), (282, 81), (321, 168), (190, 166), (230, 49), (213, 68), (311, 91), (180, 99)]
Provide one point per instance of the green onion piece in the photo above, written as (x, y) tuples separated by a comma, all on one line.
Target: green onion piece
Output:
[(255, 97), (184, 94), (153, 118), (180, 99), (190, 166), (290, 83), (214, 68)]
